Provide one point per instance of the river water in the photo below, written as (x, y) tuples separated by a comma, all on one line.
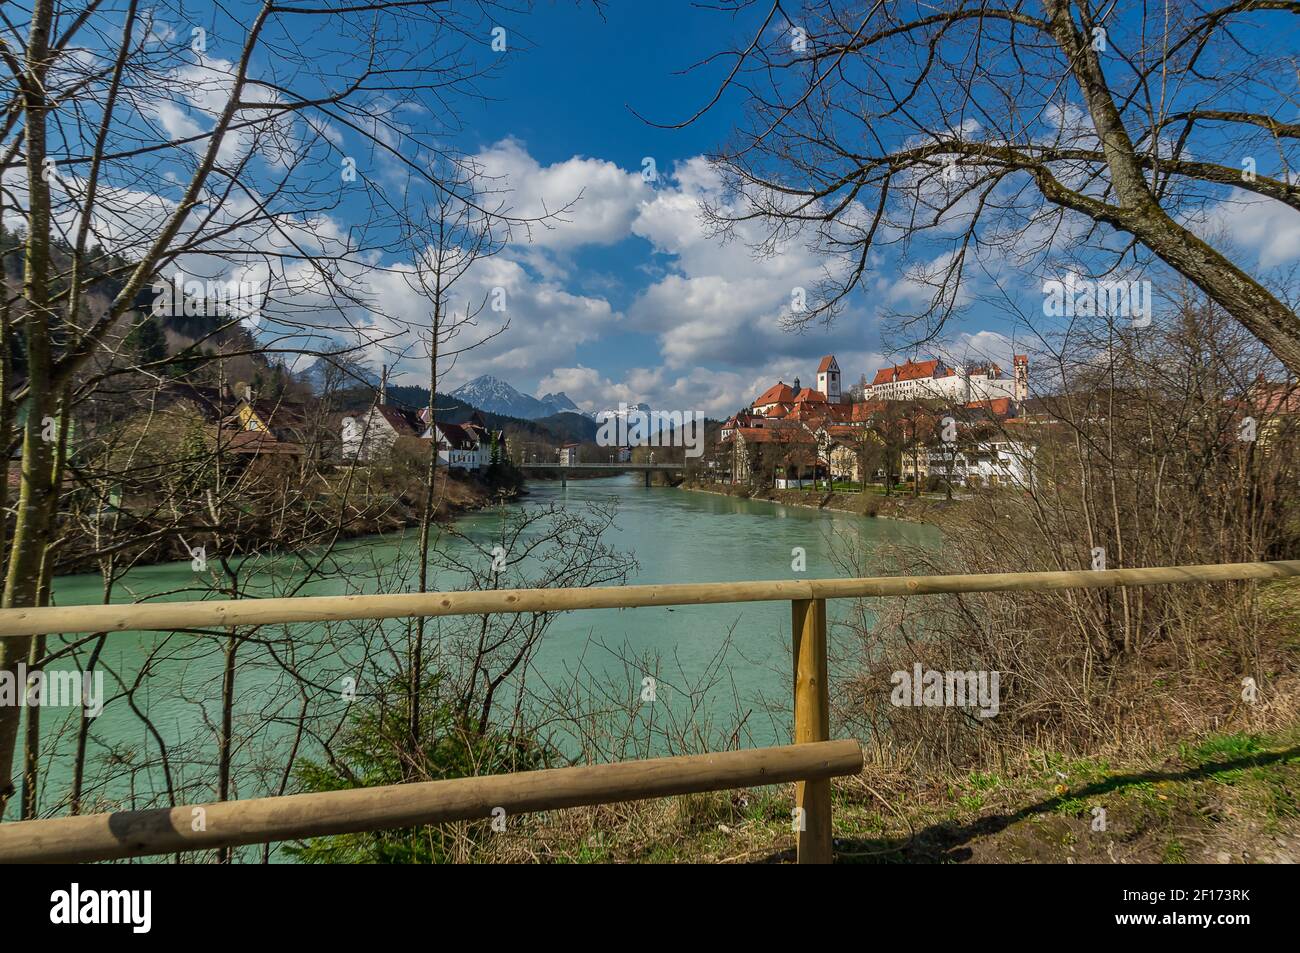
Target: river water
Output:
[(674, 535)]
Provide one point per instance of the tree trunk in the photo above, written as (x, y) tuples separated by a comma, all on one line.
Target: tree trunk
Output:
[(426, 520), (31, 524), (1140, 214), (225, 744)]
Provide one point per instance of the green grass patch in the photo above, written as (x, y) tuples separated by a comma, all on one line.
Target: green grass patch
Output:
[(1222, 748)]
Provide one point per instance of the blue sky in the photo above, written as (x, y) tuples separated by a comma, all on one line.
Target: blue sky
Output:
[(630, 299), (689, 323), (563, 113)]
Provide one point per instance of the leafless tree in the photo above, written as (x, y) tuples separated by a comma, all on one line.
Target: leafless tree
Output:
[(1053, 134), (142, 141)]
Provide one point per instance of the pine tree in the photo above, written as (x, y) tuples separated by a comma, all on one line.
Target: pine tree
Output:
[(148, 342)]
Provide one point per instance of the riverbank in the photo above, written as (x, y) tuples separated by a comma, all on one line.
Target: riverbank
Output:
[(1224, 793), (1218, 799), (345, 505), (870, 505)]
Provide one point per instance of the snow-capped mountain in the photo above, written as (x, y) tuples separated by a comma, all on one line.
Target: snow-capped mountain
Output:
[(621, 411), (497, 397)]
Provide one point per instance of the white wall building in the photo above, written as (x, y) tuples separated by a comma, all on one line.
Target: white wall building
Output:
[(919, 380), (367, 436), (462, 445), (999, 462), (828, 379)]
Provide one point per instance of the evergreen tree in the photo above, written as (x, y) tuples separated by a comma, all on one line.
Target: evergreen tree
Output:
[(148, 341)]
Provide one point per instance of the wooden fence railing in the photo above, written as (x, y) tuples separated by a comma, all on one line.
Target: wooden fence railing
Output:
[(811, 762), (257, 820)]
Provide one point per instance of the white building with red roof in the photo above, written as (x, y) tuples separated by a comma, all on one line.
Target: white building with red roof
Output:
[(781, 399), (919, 380), (777, 395), (828, 379)]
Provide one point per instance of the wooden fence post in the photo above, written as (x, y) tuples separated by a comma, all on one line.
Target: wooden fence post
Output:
[(811, 723)]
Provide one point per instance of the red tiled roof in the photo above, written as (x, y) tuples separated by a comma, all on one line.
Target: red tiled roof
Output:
[(776, 434), (808, 394), (777, 393), (998, 407), (406, 423), (826, 363), (741, 419), (908, 371), (863, 411), (818, 411), (778, 411), (844, 432), (1270, 397)]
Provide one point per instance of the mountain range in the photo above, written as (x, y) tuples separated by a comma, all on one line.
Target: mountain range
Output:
[(497, 397)]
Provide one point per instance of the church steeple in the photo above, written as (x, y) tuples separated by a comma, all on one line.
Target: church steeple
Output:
[(828, 379)]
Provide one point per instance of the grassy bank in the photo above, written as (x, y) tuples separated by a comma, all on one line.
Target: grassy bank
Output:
[(1228, 794), (342, 505), (1224, 798), (897, 505)]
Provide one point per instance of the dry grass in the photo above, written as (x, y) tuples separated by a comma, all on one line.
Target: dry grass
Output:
[(1216, 781)]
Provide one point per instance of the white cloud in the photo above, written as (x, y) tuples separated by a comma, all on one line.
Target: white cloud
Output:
[(1267, 228), (594, 200)]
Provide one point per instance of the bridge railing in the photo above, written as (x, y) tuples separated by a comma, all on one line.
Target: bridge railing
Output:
[(811, 761)]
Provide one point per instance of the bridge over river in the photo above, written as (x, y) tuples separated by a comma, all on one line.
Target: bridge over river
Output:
[(646, 468)]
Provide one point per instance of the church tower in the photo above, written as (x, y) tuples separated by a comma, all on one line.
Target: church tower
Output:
[(828, 379), (1021, 362)]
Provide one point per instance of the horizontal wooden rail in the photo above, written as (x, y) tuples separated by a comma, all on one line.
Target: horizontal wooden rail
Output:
[(258, 820), (233, 612)]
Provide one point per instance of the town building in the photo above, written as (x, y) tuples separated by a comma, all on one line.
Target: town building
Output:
[(1274, 408), (798, 434), (470, 445), (784, 451), (370, 435), (995, 462), (778, 395), (934, 380), (264, 427), (839, 448), (458, 447), (782, 399), (828, 379)]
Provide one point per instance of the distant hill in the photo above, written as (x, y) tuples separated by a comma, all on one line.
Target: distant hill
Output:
[(571, 427)]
